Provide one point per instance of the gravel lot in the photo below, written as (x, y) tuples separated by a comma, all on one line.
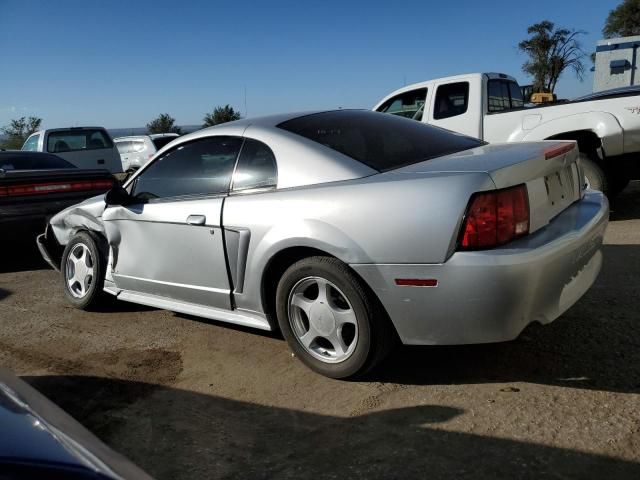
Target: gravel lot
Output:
[(188, 398)]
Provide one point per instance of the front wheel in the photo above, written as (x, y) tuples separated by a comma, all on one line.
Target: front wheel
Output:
[(330, 319), (82, 270)]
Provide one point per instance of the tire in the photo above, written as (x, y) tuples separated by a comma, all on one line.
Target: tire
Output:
[(618, 176), (84, 290), (311, 325), (594, 173)]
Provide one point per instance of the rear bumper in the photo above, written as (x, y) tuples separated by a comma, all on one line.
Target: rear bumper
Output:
[(491, 296)]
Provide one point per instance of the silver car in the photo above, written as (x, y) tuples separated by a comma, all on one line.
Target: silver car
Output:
[(345, 230)]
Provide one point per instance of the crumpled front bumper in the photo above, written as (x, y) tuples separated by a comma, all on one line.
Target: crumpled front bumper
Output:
[(492, 295), (49, 248)]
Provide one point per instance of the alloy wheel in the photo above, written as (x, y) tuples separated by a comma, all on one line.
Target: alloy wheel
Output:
[(322, 319), (80, 270)]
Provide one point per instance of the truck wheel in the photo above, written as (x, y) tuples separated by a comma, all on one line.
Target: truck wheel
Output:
[(619, 174), (617, 183), (330, 320), (82, 269), (593, 173)]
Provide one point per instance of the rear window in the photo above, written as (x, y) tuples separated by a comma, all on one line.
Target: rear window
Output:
[(32, 161), (73, 141), (130, 146), (162, 141), (503, 95), (382, 142)]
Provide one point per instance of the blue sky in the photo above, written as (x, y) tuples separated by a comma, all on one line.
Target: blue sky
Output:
[(120, 64)]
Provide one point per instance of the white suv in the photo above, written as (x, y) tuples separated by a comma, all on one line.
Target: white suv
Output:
[(137, 150), (84, 147)]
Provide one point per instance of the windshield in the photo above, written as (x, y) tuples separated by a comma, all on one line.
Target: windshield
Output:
[(78, 140), (380, 141)]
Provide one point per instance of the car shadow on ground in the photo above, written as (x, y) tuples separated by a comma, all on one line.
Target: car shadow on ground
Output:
[(111, 304), (20, 254), (177, 434)]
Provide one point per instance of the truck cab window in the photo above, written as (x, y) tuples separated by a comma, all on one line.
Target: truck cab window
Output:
[(451, 100), (407, 104), (503, 95)]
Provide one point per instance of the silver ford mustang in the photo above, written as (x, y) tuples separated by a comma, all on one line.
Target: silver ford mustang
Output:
[(346, 230)]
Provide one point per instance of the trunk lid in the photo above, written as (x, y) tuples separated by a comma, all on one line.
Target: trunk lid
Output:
[(550, 170)]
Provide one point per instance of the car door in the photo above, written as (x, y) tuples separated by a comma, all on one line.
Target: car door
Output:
[(169, 242)]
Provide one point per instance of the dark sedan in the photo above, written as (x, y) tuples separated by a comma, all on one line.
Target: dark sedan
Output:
[(39, 440), (34, 186)]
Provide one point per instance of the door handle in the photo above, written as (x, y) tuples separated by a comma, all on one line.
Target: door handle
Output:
[(196, 219)]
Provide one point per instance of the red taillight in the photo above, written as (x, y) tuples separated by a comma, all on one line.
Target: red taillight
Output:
[(495, 218), (55, 187)]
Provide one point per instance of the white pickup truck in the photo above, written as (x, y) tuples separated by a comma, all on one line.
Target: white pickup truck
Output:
[(84, 147), (490, 106)]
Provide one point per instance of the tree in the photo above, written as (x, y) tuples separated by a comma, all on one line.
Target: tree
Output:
[(18, 131), (163, 124), (624, 20), (220, 115), (551, 51)]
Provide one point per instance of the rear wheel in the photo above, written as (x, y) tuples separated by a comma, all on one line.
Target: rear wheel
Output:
[(330, 319), (82, 270)]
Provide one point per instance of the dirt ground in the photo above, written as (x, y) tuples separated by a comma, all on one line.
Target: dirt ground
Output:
[(188, 398)]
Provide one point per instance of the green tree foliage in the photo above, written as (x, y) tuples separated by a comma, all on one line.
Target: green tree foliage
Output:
[(220, 115), (18, 131), (165, 123), (624, 20), (551, 51)]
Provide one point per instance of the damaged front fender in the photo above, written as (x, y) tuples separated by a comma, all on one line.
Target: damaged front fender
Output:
[(86, 215)]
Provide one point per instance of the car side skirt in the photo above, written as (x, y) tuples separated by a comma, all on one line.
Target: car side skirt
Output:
[(238, 317)]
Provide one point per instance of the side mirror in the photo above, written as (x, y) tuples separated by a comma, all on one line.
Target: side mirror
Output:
[(118, 196)]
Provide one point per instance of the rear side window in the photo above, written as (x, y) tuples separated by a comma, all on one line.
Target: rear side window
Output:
[(73, 141), (451, 100), (382, 142), (503, 95), (200, 167), (256, 167), (31, 144), (407, 104)]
